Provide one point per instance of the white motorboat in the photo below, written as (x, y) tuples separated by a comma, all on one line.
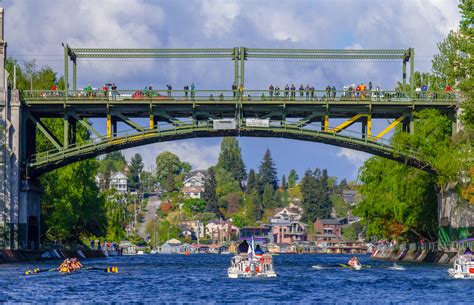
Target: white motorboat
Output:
[(251, 265), (259, 266), (463, 267)]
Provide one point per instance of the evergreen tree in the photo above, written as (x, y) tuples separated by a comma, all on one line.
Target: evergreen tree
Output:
[(252, 182), (309, 191), (292, 178), (267, 173), (253, 207), (267, 197), (209, 194), (230, 159), (283, 183), (134, 171)]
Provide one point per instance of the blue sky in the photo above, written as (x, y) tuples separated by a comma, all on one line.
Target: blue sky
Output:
[(36, 28)]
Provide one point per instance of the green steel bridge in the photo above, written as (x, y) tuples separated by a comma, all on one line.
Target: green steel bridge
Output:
[(161, 115)]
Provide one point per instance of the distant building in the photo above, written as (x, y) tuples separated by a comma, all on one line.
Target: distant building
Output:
[(349, 196), (175, 246), (220, 231), (286, 233), (194, 184), (285, 215), (261, 234), (329, 226), (119, 182)]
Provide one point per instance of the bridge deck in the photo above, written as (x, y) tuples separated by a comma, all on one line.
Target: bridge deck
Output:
[(224, 104)]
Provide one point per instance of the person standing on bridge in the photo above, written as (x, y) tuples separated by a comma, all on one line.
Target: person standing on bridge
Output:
[(234, 90), (241, 90), (270, 89), (114, 91), (293, 92), (193, 92), (186, 89), (277, 92), (307, 89), (312, 93), (287, 91), (301, 89), (169, 89), (333, 89)]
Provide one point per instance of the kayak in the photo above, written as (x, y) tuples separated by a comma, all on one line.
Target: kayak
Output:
[(356, 267)]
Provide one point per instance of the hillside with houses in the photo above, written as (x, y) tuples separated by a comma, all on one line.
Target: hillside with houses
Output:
[(176, 209)]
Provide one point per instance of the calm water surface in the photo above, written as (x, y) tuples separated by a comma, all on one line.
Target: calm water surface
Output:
[(203, 278)]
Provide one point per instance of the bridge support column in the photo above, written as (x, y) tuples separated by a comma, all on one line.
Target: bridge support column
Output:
[(367, 127), (21, 209), (325, 123)]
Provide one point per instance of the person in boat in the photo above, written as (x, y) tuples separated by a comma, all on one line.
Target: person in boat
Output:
[(65, 266), (353, 262), (468, 251), (243, 247), (258, 250)]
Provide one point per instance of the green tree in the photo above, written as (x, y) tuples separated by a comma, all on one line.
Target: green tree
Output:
[(252, 182), (284, 186), (170, 182), (169, 164), (292, 178), (230, 159), (209, 195), (239, 221), (267, 172), (315, 191), (161, 230), (194, 206), (71, 205), (268, 196), (134, 171), (398, 201), (116, 215), (349, 233)]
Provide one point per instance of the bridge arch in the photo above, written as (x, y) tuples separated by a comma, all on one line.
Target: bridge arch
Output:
[(47, 161)]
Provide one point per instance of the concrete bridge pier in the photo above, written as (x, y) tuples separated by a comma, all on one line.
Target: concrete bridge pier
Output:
[(21, 196)]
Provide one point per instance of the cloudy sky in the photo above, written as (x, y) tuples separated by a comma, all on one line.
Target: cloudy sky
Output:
[(35, 29)]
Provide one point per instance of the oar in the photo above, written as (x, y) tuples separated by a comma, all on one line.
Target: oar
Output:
[(113, 269), (38, 270)]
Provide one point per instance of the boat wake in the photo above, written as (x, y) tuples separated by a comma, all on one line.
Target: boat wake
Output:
[(396, 267), (318, 267)]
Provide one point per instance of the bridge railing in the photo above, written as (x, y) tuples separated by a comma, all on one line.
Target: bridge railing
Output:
[(133, 135), (165, 96)]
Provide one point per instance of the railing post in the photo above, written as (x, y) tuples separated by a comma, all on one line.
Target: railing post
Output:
[(66, 72)]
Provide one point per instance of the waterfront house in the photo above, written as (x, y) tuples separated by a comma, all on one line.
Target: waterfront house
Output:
[(287, 231), (261, 234), (329, 226), (174, 246), (220, 231)]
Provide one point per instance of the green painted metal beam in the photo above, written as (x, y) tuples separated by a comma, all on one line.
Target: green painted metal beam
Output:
[(328, 51), (324, 56), (128, 121), (111, 55), (152, 50), (85, 123), (46, 132)]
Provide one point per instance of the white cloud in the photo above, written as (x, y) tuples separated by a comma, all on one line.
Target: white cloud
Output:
[(218, 16), (357, 158), (198, 155)]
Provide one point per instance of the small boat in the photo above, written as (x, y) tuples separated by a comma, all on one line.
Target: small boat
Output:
[(251, 264), (463, 267), (353, 267)]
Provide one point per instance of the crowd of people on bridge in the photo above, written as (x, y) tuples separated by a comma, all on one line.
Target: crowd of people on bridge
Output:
[(288, 92)]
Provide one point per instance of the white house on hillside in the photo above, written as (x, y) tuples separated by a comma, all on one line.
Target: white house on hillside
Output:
[(119, 182), (194, 184)]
